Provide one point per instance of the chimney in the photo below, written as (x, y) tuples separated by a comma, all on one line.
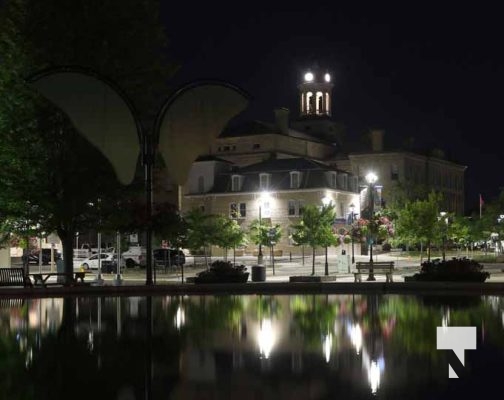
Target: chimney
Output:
[(282, 120), (377, 140)]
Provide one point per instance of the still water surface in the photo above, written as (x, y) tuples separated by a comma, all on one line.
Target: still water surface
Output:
[(246, 347)]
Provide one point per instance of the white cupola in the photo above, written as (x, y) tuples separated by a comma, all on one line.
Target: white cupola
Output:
[(315, 93)]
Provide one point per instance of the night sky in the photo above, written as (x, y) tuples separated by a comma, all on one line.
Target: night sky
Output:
[(435, 74)]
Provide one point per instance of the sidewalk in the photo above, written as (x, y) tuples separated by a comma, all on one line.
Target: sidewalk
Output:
[(284, 269)]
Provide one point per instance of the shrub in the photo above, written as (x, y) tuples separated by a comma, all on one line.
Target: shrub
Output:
[(223, 271), (221, 267), (456, 269)]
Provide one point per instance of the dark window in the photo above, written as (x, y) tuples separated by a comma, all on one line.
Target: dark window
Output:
[(292, 207), (233, 210)]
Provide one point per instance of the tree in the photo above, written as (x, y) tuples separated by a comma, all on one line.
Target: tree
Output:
[(45, 161), (200, 231), (419, 222), (262, 233), (315, 228), (228, 234)]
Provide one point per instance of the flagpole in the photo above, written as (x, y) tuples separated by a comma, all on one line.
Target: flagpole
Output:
[(480, 203)]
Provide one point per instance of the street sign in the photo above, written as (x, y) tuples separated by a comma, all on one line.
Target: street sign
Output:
[(53, 238)]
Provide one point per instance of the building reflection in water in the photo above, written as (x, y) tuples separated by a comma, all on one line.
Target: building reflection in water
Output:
[(224, 346)]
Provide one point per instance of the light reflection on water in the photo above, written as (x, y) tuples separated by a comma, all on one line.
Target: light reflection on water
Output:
[(281, 347)]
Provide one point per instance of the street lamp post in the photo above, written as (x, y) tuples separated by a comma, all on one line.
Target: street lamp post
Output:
[(371, 179), (260, 254), (443, 239), (263, 199), (326, 201), (352, 209)]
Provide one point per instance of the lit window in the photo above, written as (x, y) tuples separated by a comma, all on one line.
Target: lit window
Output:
[(310, 103)]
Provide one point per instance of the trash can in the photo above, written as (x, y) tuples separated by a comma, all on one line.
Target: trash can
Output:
[(258, 273), (60, 268)]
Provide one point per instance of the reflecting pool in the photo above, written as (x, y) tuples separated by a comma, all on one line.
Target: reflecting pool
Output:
[(247, 347)]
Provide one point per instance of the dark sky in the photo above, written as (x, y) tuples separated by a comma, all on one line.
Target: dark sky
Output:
[(432, 73)]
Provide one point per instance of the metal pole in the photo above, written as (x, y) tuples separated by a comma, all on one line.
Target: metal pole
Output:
[(273, 258), (260, 255), (371, 276), (40, 256), (99, 279), (326, 264), (148, 161), (352, 239), (118, 279)]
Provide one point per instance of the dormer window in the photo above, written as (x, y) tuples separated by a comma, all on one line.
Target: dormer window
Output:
[(201, 184), (394, 172), (295, 180), (264, 181), (344, 181), (236, 183), (333, 179)]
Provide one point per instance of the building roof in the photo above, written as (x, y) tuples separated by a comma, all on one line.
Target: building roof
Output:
[(313, 175), (285, 164), (252, 128), (211, 158)]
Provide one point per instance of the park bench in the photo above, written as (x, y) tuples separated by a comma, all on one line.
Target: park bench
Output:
[(14, 277), (75, 278), (379, 267)]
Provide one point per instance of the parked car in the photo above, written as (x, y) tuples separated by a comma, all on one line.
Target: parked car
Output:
[(135, 255), (33, 258), (168, 257), (107, 261)]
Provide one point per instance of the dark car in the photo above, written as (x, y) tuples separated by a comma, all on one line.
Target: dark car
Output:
[(168, 257), (46, 256)]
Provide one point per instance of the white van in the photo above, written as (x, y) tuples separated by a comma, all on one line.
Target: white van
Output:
[(135, 255)]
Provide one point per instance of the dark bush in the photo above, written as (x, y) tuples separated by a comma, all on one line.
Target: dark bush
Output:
[(223, 271), (456, 269), (386, 247)]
